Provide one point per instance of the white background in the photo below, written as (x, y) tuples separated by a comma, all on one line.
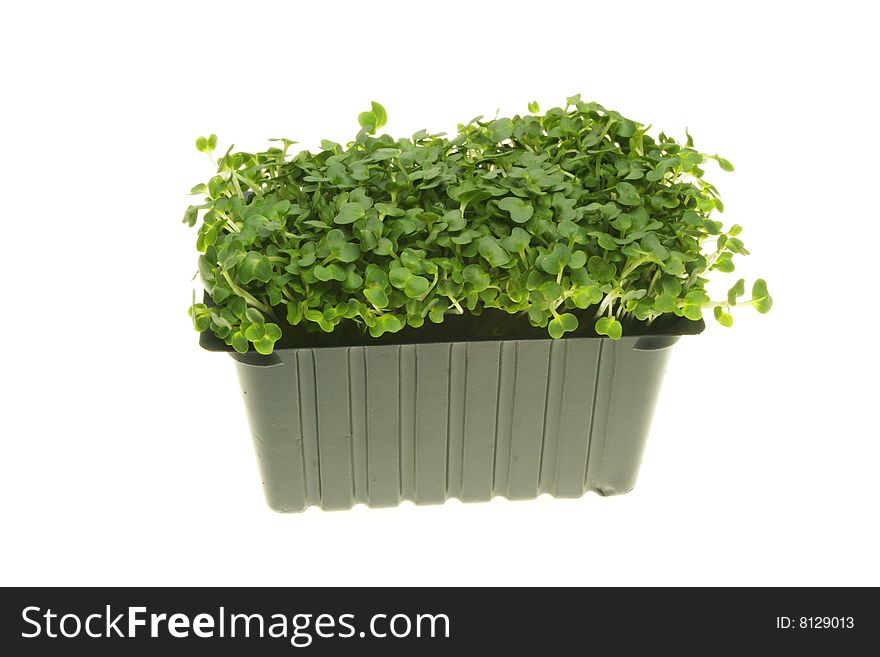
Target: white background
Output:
[(125, 456)]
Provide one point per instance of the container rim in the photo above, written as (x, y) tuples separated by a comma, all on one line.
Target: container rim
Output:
[(490, 325)]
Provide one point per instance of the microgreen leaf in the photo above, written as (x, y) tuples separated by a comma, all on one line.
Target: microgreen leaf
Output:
[(206, 144), (255, 267), (493, 252), (478, 278), (735, 292), (723, 317), (609, 326), (665, 303), (254, 316), (555, 261), (416, 286), (724, 164), (380, 115), (349, 213), (562, 324), (584, 297), (376, 296), (519, 211), (500, 129), (386, 324), (368, 121), (628, 194), (518, 240), (761, 299), (693, 304)]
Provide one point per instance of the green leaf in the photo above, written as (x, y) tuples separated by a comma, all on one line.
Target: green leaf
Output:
[(413, 260), (723, 318), (200, 316), (471, 196), (478, 278), (384, 247), (348, 253), (533, 107), (761, 299), (666, 303), (353, 281), (724, 262), (337, 272), (398, 276), (671, 286), (220, 321), (349, 213), (693, 304), (519, 211), (386, 324), (376, 277), (416, 286), (493, 252), (555, 261), (335, 239), (537, 316), (379, 114), (674, 265), (624, 128), (735, 292), (585, 297), (254, 316), (609, 326), (255, 267), (454, 220), (191, 215), (724, 164), (606, 242), (322, 273), (600, 270), (230, 255), (376, 296), (578, 260), (517, 241), (500, 129), (368, 121), (692, 217), (550, 290), (651, 244), (255, 332), (565, 323), (627, 194), (239, 342), (294, 313), (264, 345)]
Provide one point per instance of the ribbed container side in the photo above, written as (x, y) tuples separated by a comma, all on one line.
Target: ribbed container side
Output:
[(337, 426)]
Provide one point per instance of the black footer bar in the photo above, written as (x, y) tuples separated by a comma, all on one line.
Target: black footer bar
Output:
[(433, 621)]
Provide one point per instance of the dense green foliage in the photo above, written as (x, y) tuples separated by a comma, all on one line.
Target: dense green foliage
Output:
[(538, 214)]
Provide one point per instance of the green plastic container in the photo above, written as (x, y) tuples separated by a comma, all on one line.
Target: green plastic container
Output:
[(353, 420)]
